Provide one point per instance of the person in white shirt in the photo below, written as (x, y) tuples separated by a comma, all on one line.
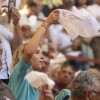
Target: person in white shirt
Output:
[(9, 41)]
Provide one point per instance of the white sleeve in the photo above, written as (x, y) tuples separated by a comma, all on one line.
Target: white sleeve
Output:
[(5, 33)]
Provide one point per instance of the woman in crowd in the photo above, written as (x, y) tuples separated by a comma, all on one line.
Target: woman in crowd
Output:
[(32, 59)]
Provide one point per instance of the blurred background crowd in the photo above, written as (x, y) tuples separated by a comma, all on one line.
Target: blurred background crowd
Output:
[(63, 57)]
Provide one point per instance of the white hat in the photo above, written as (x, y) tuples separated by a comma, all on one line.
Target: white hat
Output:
[(31, 21)]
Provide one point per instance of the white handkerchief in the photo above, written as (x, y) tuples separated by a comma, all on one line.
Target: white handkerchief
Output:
[(39, 79), (79, 22)]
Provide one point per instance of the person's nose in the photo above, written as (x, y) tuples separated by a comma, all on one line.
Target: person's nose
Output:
[(42, 57)]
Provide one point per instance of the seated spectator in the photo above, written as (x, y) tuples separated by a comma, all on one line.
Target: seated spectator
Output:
[(32, 59), (86, 86), (66, 76)]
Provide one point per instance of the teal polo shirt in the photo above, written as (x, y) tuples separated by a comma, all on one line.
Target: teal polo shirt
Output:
[(20, 87)]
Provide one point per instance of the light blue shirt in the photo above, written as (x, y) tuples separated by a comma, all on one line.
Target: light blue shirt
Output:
[(20, 87)]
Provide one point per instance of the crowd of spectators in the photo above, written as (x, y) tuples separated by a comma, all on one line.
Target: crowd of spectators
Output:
[(34, 41)]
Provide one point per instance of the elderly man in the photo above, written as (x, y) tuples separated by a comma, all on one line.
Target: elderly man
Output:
[(86, 86)]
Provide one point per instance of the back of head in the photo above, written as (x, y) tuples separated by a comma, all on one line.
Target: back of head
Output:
[(85, 81)]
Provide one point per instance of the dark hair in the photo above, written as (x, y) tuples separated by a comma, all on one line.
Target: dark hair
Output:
[(77, 4), (46, 54), (66, 64), (31, 4)]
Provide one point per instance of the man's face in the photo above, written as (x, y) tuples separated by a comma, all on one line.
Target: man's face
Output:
[(0, 56), (26, 30), (66, 75)]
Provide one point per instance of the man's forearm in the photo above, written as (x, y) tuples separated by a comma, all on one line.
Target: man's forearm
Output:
[(18, 37)]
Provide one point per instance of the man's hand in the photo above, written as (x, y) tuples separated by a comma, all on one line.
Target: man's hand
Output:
[(15, 15), (46, 94)]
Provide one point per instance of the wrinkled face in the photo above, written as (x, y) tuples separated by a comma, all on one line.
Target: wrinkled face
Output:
[(66, 75), (37, 60), (26, 30), (0, 56)]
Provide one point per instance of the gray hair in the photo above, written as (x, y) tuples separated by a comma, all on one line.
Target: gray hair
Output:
[(85, 81)]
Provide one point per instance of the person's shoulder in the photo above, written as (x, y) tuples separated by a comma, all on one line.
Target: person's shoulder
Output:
[(21, 66), (6, 92)]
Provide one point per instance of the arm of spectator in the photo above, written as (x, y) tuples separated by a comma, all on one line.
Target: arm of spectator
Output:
[(31, 47), (18, 37)]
